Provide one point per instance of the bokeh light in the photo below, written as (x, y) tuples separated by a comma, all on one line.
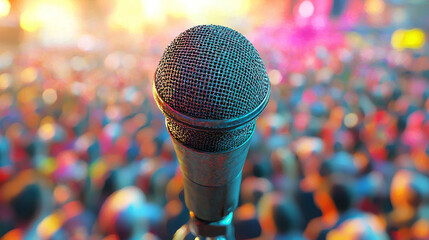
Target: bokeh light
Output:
[(4, 8), (28, 75), (351, 120), (47, 131), (306, 9), (5, 81), (49, 96), (275, 77), (48, 18), (413, 38), (374, 7), (50, 225)]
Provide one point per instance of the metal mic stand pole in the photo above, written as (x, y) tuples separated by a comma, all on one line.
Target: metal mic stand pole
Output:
[(203, 230)]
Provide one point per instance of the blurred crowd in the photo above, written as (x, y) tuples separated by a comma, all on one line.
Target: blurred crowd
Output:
[(341, 152)]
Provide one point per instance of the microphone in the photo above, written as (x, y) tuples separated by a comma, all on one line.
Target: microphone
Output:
[(211, 85)]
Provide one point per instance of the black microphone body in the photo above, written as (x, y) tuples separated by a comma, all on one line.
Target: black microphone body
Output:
[(211, 85)]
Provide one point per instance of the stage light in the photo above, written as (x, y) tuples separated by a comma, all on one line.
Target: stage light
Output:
[(153, 12), (209, 11), (28, 21), (55, 22), (4, 8), (127, 15), (306, 9)]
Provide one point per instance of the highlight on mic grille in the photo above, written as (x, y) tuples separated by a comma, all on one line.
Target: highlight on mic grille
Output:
[(211, 85)]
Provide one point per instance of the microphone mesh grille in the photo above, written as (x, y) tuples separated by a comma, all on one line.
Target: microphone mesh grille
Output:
[(211, 72), (210, 140)]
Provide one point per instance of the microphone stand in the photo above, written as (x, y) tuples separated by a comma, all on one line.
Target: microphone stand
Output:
[(203, 230)]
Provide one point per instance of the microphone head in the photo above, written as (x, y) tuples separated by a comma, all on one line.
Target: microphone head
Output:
[(211, 84)]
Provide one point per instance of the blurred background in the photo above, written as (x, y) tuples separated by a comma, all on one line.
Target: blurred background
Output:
[(341, 152)]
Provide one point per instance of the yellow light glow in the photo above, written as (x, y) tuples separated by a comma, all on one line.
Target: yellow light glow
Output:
[(127, 15), (413, 38), (4, 8), (49, 225), (47, 131), (55, 21), (209, 11), (134, 15), (374, 7), (29, 22), (28, 75), (153, 11), (5, 80)]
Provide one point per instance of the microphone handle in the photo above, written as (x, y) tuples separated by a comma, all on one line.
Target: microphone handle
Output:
[(211, 179), (202, 230)]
